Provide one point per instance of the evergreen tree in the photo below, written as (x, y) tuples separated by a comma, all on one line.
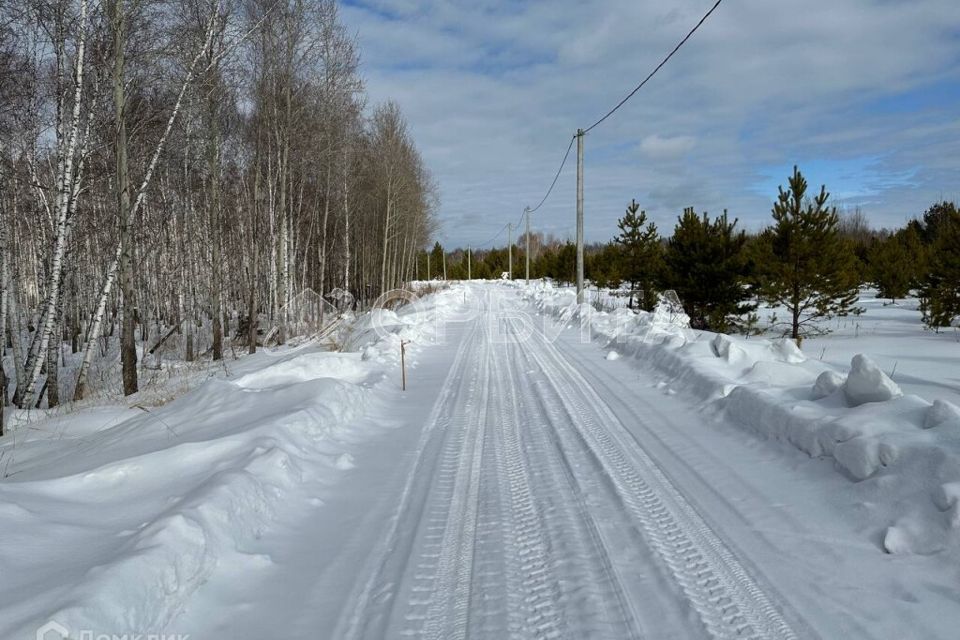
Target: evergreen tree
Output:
[(808, 267), (603, 266), (855, 229), (642, 254), (940, 294), (436, 261), (564, 268), (893, 264), (707, 267), (938, 215)]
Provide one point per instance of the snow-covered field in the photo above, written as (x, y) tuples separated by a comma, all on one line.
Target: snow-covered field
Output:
[(625, 477), (921, 361)]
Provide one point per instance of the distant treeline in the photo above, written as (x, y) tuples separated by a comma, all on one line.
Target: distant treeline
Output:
[(810, 262)]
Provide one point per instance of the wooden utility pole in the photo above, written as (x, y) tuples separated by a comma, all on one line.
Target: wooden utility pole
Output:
[(580, 135), (510, 249), (469, 271), (428, 266), (526, 213), (444, 265)]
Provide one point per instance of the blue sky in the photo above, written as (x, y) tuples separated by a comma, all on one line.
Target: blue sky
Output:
[(864, 95)]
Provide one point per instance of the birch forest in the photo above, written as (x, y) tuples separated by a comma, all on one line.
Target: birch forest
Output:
[(173, 173)]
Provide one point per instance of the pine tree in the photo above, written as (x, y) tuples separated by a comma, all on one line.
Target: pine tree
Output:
[(436, 260), (940, 293), (603, 267), (565, 267), (893, 263), (642, 254), (707, 267), (807, 265)]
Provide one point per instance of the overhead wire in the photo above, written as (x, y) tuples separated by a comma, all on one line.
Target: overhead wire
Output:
[(527, 211), (556, 177), (657, 68), (495, 236)]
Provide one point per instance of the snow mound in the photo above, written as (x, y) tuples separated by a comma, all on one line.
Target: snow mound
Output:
[(911, 535), (942, 413), (612, 355), (786, 350), (827, 384), (947, 496), (862, 456), (724, 347), (867, 383), (308, 366), (379, 334)]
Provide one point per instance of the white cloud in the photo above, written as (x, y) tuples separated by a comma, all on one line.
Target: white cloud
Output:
[(494, 90), (658, 146)]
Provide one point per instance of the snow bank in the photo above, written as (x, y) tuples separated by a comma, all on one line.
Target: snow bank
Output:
[(113, 519), (903, 451), (379, 334)]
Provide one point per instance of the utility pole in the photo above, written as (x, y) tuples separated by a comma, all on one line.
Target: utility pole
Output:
[(444, 265), (526, 212), (510, 248), (428, 266), (580, 135), (469, 272)]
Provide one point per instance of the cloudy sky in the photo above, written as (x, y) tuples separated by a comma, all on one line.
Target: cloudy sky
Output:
[(863, 94)]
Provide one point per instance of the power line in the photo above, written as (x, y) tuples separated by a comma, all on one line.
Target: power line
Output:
[(658, 67), (495, 236), (566, 155), (555, 178), (522, 213)]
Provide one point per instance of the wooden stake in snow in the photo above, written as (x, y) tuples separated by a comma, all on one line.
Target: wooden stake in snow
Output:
[(403, 364)]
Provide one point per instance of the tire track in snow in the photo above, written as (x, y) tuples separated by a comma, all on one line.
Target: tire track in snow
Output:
[(728, 601), (535, 593), (449, 611), (375, 597), (599, 605), (529, 490)]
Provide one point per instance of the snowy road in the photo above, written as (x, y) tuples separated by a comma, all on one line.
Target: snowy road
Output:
[(525, 487), (532, 512)]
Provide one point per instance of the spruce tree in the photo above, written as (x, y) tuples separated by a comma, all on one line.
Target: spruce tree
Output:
[(642, 254), (707, 267), (808, 267)]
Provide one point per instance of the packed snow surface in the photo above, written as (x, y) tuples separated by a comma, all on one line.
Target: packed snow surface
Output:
[(551, 471)]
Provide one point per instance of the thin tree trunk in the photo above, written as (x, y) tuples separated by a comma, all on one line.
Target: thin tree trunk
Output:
[(13, 326), (346, 219), (95, 328), (128, 345), (65, 185), (213, 168), (53, 368)]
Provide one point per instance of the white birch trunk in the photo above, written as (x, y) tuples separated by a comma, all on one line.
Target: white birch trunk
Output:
[(64, 192)]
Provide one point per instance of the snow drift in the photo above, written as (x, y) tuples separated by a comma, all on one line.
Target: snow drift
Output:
[(902, 450), (111, 523)]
